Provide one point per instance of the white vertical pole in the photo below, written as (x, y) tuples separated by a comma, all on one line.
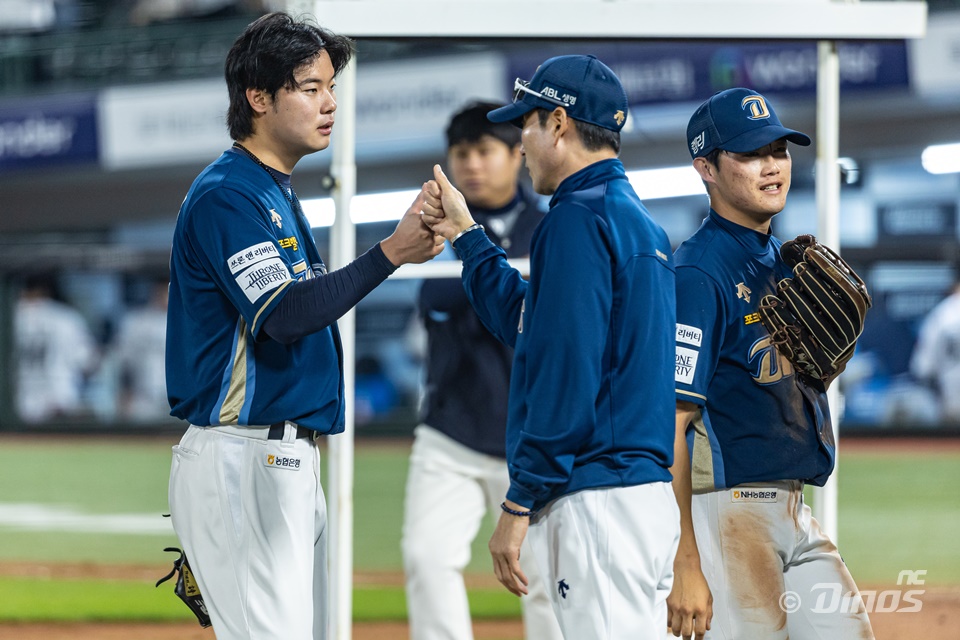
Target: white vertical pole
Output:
[(343, 248), (828, 232)]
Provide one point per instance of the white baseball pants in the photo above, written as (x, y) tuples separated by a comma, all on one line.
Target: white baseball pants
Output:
[(773, 573), (608, 556), (251, 516), (449, 489)]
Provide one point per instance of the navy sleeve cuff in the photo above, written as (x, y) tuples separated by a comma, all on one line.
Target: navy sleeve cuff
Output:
[(380, 261), (472, 243), (520, 497)]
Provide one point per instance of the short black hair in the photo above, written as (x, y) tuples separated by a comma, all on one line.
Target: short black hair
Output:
[(266, 56), (592, 137), (45, 283), (714, 157), (470, 123)]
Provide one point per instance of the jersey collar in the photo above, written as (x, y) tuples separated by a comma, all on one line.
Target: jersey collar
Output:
[(754, 242)]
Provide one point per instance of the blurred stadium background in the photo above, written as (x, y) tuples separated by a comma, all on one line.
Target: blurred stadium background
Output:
[(109, 108)]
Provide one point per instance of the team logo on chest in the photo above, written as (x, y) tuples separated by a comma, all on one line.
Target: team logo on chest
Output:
[(771, 365), (276, 218), (743, 292)]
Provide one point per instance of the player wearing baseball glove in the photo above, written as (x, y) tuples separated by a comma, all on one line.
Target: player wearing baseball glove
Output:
[(762, 327), (817, 315)]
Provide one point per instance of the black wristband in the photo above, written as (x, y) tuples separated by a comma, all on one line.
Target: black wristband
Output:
[(522, 514)]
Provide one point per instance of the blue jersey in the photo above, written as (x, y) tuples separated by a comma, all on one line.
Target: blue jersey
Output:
[(238, 244), (758, 421), (590, 397)]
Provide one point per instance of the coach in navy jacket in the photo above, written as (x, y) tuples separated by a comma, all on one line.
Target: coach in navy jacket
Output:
[(586, 406), (590, 422)]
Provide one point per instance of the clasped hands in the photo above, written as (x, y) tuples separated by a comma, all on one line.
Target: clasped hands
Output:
[(445, 211), (438, 213)]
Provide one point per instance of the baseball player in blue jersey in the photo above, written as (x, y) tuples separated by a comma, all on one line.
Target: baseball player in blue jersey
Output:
[(750, 432), (590, 414), (254, 361), (458, 470)]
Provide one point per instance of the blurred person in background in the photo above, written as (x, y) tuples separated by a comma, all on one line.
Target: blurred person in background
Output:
[(140, 351), (55, 353), (936, 356), (458, 467)]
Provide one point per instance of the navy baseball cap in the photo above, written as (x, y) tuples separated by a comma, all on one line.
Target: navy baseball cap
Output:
[(737, 120), (583, 85)]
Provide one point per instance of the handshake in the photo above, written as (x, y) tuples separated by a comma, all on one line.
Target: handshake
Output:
[(438, 213)]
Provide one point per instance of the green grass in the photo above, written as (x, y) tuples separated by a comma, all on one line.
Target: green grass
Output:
[(36, 600), (97, 476), (45, 600), (897, 511), (380, 478), (373, 604), (900, 512)]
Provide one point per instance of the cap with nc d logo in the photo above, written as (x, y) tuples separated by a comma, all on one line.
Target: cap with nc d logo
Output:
[(737, 120)]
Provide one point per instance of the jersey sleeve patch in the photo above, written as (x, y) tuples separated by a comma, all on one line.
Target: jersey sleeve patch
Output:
[(258, 269), (265, 275), (252, 255), (686, 365), (689, 335)]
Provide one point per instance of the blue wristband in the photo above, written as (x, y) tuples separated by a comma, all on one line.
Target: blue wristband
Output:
[(522, 514)]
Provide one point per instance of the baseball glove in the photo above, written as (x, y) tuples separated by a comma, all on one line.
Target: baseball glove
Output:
[(817, 315), (186, 587)]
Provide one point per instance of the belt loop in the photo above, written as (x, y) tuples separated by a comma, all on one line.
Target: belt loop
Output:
[(277, 431)]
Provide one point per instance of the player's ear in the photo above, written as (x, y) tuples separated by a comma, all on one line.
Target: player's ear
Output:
[(706, 170), (559, 122), (258, 99)]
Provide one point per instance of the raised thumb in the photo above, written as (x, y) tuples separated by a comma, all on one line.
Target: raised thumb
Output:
[(441, 177)]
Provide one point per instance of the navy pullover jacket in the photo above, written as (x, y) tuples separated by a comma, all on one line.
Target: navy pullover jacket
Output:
[(591, 398)]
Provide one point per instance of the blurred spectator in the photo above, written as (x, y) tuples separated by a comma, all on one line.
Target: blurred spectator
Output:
[(55, 354), (146, 12), (140, 345), (936, 357)]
